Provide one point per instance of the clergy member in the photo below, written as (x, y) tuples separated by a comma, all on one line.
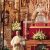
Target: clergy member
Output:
[(16, 42)]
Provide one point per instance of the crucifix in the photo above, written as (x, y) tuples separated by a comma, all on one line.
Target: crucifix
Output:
[(25, 23), (25, 28)]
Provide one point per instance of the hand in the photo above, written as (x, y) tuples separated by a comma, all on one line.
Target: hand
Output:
[(16, 44)]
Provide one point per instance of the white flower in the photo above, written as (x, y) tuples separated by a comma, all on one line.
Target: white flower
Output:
[(16, 26), (39, 35)]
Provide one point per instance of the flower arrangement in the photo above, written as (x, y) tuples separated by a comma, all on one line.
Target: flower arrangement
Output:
[(16, 26), (39, 35)]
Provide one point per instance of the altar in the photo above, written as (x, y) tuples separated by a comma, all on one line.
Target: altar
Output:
[(31, 44), (44, 29)]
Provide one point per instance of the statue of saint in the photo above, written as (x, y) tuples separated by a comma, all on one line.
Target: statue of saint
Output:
[(40, 14)]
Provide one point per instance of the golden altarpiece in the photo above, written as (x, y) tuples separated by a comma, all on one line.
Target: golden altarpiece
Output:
[(33, 22), (35, 15), (28, 12)]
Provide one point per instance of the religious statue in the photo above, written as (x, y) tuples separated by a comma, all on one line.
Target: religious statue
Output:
[(40, 13)]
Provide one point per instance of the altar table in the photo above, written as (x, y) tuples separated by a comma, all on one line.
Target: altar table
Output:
[(44, 29), (34, 43)]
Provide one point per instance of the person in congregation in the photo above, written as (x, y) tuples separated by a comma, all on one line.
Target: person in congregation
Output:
[(18, 42)]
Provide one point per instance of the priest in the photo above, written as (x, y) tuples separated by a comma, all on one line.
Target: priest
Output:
[(17, 42)]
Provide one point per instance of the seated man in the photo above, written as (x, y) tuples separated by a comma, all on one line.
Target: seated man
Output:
[(17, 42)]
